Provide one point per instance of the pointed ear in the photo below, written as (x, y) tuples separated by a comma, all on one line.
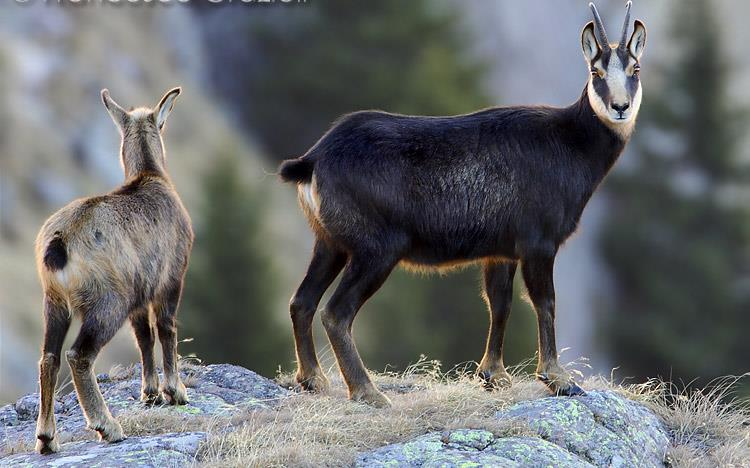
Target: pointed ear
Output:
[(590, 47), (165, 106), (118, 114), (637, 40)]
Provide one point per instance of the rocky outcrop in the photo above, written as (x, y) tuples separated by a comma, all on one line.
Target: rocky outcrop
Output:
[(602, 429), (214, 391)]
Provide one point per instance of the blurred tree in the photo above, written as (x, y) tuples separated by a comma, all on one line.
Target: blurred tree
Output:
[(329, 58), (337, 56), (229, 291), (677, 238)]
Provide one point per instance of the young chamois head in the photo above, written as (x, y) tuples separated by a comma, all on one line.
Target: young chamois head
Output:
[(142, 148), (614, 89)]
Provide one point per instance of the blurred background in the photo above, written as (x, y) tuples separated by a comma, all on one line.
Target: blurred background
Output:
[(655, 283)]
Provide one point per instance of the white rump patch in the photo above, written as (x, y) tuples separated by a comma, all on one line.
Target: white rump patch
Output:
[(309, 197)]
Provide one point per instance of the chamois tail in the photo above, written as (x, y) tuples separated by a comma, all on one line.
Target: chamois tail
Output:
[(56, 255), (298, 170)]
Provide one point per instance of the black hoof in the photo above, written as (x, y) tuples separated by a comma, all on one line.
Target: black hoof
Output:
[(488, 385), (572, 390)]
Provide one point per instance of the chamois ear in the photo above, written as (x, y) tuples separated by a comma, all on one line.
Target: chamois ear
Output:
[(637, 40), (165, 106), (118, 114), (590, 47)]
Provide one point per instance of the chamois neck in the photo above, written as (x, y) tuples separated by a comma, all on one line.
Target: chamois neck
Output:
[(622, 131), (140, 155), (597, 141)]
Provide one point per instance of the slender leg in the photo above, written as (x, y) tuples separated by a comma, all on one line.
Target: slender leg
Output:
[(325, 265), (56, 324), (140, 320), (363, 275), (537, 274), (498, 293), (100, 323), (165, 310)]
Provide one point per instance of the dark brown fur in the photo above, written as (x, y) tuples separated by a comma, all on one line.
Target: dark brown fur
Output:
[(504, 187)]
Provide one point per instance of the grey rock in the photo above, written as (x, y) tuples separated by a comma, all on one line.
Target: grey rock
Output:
[(238, 386), (218, 390), (602, 429), (8, 415), (471, 447), (175, 449), (27, 406)]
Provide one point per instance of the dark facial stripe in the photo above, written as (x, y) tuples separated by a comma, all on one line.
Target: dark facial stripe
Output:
[(632, 85), (623, 55), (601, 88), (606, 54)]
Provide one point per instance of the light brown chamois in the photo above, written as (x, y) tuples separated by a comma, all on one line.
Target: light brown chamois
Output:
[(114, 257)]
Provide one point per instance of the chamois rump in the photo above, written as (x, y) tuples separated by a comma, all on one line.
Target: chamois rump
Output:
[(499, 186), (114, 257)]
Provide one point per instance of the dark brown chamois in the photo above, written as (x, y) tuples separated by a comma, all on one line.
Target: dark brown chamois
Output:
[(500, 186), (111, 258)]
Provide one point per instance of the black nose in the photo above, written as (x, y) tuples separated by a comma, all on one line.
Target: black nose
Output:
[(620, 107)]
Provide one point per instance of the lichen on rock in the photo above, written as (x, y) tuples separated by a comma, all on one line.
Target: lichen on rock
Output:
[(602, 429)]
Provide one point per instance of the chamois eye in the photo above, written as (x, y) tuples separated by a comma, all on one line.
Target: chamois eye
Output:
[(636, 70), (597, 72)]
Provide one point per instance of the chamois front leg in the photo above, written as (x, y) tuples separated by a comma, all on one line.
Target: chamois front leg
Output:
[(94, 334), (363, 275), (172, 389), (56, 324), (326, 263), (537, 274), (143, 330), (498, 293)]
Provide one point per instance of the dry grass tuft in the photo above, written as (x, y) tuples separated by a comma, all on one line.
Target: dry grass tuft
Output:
[(160, 420), (709, 426), (119, 372)]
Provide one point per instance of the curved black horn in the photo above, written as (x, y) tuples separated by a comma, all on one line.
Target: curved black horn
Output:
[(599, 27), (624, 38)]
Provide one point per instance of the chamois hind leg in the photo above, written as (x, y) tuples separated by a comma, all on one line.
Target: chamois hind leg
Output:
[(325, 265), (100, 323), (498, 293), (56, 324), (363, 275), (165, 308), (143, 330), (537, 274)]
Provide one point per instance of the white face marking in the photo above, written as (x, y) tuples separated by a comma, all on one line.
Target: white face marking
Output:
[(617, 81), (616, 77)]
